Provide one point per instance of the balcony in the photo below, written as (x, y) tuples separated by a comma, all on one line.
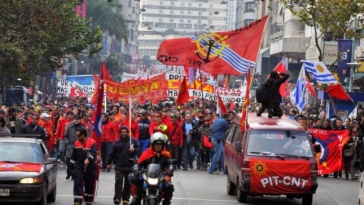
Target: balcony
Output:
[(292, 45)]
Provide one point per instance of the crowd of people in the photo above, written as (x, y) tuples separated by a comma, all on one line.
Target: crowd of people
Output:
[(193, 134)]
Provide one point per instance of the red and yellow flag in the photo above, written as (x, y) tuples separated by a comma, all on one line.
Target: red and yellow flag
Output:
[(246, 102)]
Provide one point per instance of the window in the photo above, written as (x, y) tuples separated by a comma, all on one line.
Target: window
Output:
[(249, 7), (279, 142)]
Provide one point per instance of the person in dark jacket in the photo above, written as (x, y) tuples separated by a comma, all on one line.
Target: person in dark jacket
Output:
[(190, 138), (144, 135), (122, 151), (272, 84), (34, 128)]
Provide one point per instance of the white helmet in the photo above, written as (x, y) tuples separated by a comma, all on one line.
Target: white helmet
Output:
[(157, 137)]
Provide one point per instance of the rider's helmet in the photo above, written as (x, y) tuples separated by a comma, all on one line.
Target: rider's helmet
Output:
[(157, 137)]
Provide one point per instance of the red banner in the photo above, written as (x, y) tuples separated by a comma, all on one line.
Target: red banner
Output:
[(279, 176), (23, 167), (331, 142)]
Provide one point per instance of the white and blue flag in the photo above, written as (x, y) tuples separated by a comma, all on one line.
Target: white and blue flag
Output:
[(298, 94), (319, 72)]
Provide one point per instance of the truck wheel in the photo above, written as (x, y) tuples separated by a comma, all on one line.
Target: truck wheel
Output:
[(307, 199), (241, 196), (230, 187)]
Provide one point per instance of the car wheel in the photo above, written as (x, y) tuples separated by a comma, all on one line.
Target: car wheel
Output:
[(230, 187), (241, 196), (43, 200), (307, 199), (52, 196)]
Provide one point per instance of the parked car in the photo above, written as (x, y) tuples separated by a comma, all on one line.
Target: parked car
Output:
[(273, 156), (27, 172)]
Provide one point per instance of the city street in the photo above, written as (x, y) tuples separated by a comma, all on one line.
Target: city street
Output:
[(196, 187)]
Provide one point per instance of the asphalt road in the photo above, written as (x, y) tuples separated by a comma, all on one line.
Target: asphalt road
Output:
[(194, 187)]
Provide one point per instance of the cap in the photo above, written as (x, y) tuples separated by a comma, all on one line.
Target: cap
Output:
[(157, 115), (44, 115), (2, 112), (142, 111)]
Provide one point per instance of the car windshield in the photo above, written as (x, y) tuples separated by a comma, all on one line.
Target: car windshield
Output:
[(20, 152), (279, 143)]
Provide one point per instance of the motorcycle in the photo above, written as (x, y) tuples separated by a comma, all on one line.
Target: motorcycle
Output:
[(153, 177)]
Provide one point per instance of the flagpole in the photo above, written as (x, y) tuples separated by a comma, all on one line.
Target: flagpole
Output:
[(105, 99), (199, 71), (130, 120)]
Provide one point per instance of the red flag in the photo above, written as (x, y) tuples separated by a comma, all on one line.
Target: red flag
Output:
[(332, 143), (105, 72), (216, 53), (231, 105), (246, 102), (221, 105), (337, 92), (76, 92), (183, 95), (203, 80), (282, 67), (310, 88), (100, 98)]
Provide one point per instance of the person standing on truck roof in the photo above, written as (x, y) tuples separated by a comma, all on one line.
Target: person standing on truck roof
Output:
[(272, 84)]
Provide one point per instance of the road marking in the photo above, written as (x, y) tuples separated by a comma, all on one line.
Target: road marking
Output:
[(174, 198)]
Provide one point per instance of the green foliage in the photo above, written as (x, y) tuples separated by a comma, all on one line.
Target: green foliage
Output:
[(146, 61), (104, 14), (35, 35), (329, 16)]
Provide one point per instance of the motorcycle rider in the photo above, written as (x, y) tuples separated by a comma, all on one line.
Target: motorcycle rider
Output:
[(156, 154)]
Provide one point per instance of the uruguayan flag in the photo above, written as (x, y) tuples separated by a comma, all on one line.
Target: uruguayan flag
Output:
[(319, 72), (298, 93)]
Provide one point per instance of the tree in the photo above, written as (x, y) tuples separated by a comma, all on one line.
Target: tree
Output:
[(327, 17), (146, 61), (35, 35), (104, 14)]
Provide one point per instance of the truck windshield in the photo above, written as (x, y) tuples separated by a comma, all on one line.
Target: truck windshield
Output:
[(279, 143)]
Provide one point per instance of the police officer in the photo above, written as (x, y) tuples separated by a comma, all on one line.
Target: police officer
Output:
[(84, 167)]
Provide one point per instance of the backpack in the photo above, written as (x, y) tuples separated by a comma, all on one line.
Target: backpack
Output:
[(262, 94)]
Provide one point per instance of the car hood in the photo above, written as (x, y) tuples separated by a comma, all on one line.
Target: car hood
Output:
[(20, 167)]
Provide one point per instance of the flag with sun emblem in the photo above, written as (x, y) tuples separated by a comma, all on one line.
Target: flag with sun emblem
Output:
[(269, 176), (227, 52), (331, 142), (319, 72)]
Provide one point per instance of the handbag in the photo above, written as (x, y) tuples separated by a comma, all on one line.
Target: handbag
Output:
[(349, 152), (206, 142)]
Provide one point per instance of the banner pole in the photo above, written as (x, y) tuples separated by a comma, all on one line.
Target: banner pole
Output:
[(199, 71), (129, 126)]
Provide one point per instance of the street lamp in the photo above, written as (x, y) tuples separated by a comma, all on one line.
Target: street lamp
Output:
[(353, 66)]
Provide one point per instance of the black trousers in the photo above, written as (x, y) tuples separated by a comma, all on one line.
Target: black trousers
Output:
[(205, 155), (265, 105), (277, 111), (69, 170), (174, 150), (81, 178), (122, 185)]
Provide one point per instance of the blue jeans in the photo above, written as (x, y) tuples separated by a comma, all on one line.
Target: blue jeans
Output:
[(218, 156), (188, 154), (144, 144), (105, 151)]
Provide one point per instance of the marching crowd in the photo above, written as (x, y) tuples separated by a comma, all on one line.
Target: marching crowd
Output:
[(193, 134)]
